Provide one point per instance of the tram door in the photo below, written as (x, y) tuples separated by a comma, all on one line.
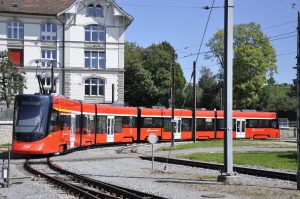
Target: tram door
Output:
[(110, 128), (240, 128), (177, 126), (73, 129)]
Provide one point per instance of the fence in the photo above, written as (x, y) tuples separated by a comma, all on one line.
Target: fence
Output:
[(283, 123), (6, 114)]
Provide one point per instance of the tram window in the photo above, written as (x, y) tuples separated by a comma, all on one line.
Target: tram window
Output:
[(102, 120), (125, 122), (78, 123), (234, 125), (264, 123), (252, 123), (209, 124), (118, 124), (84, 124), (205, 124), (147, 122), (128, 122), (157, 122), (88, 124), (274, 124), (200, 123), (167, 125), (220, 124), (65, 122), (53, 121), (133, 122), (186, 124)]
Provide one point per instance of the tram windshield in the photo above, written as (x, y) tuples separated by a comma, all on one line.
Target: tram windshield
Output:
[(31, 113)]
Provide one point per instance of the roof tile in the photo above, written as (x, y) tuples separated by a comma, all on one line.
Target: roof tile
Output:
[(39, 7)]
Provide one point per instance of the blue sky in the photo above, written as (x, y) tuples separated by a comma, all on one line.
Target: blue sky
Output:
[(182, 24)]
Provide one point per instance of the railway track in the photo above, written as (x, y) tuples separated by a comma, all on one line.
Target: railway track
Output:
[(130, 149), (82, 186), (238, 169)]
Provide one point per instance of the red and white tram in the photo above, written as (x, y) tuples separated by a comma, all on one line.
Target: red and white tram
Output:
[(46, 124)]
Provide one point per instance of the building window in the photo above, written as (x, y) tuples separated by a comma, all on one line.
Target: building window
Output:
[(94, 87), (48, 31), (94, 60), (49, 57), (16, 56), (15, 30), (90, 10), (46, 82), (94, 11), (98, 11), (94, 33)]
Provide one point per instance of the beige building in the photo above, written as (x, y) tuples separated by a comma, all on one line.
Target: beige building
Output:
[(82, 39)]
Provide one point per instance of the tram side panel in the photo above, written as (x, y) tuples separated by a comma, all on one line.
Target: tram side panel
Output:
[(205, 125), (151, 122), (116, 123)]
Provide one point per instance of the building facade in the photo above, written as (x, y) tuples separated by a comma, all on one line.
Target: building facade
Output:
[(83, 40)]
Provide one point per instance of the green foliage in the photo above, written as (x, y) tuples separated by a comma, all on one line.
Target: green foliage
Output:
[(5, 145), (277, 98), (11, 79), (254, 58), (185, 100), (209, 85), (148, 75), (137, 81)]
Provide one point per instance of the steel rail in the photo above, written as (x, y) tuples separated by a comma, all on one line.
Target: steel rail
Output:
[(238, 169), (75, 190), (117, 190)]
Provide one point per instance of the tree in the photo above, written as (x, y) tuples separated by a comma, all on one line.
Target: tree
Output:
[(158, 60), (11, 79), (254, 58), (186, 100), (139, 87), (210, 89), (276, 98), (148, 74)]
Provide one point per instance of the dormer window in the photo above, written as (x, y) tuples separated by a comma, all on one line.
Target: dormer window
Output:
[(48, 31), (90, 10), (94, 11), (15, 30), (98, 11)]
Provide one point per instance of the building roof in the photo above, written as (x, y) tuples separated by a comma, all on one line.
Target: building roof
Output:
[(52, 8), (38, 7)]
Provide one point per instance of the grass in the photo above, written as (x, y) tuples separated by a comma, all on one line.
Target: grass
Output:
[(220, 143), (275, 160), (5, 145)]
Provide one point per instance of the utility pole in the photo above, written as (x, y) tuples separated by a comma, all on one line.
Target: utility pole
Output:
[(298, 103), (173, 96), (52, 77), (221, 99), (195, 103), (113, 94), (228, 57)]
